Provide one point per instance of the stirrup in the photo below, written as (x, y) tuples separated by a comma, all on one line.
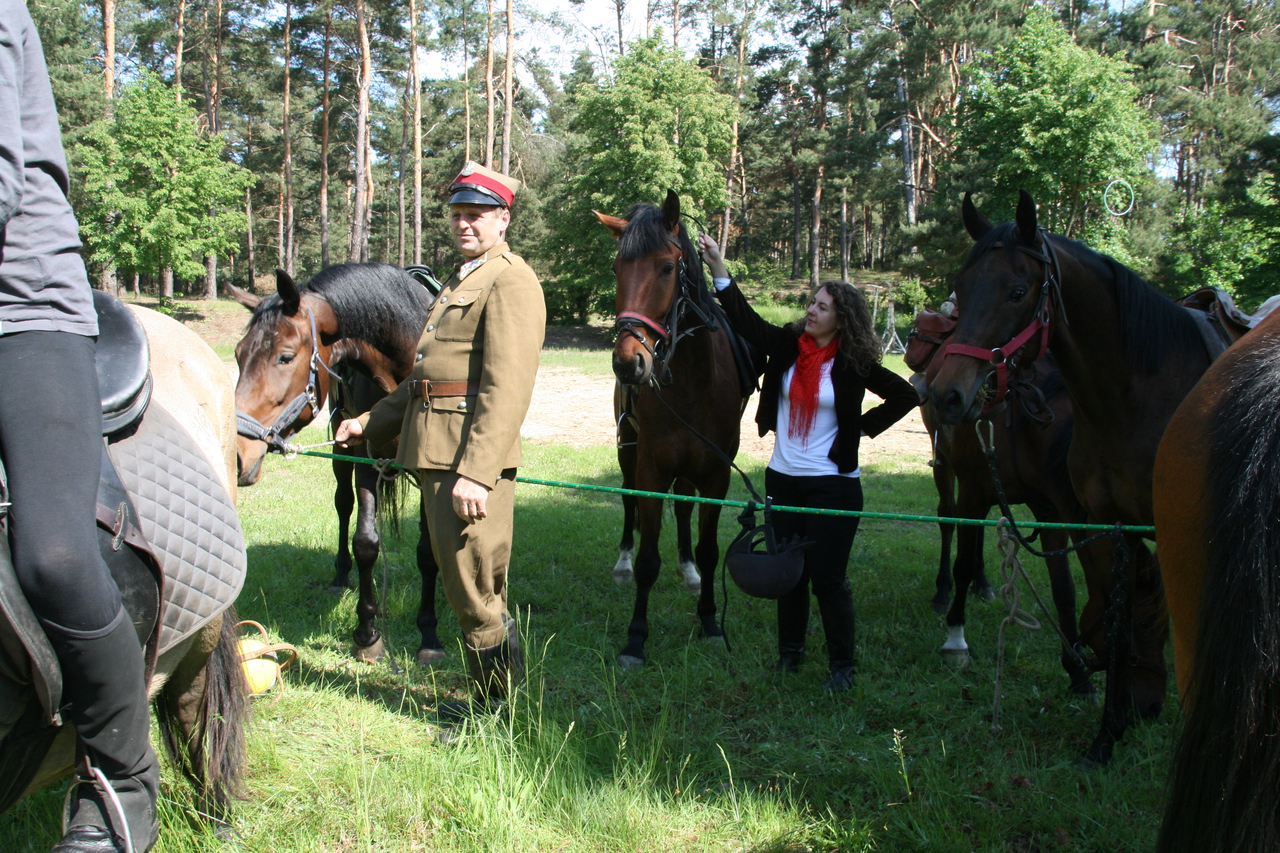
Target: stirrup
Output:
[(111, 802)]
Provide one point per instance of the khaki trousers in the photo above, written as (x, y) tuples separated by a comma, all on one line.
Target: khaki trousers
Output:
[(473, 558)]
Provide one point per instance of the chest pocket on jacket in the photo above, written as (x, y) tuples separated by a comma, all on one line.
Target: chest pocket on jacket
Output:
[(460, 315)]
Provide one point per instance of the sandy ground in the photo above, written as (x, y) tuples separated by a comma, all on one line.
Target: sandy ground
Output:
[(576, 408)]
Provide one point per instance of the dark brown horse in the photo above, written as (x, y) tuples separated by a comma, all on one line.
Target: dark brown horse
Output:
[(1217, 514), (676, 368), (1031, 462), (1129, 356), (368, 317)]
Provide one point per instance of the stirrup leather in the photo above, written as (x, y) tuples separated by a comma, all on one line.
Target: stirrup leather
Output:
[(111, 802)]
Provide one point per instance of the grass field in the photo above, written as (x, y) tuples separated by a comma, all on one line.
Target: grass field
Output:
[(702, 749)]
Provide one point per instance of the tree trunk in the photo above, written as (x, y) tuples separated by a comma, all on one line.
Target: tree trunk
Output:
[(417, 132), (466, 92), (324, 139), (844, 233), (286, 211), (908, 156), (815, 229), (109, 50), (401, 180), (166, 284), (618, 6), (488, 91), (733, 151), (675, 24), (178, 51), (359, 246), (509, 92), (248, 218), (796, 205)]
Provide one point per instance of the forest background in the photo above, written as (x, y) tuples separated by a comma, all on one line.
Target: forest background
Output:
[(212, 141)]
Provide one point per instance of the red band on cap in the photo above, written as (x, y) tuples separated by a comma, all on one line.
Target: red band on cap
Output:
[(488, 183)]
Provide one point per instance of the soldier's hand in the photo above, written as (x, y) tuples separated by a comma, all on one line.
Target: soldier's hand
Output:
[(349, 434), (470, 499)]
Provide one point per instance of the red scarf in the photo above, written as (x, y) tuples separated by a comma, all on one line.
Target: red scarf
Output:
[(804, 384)]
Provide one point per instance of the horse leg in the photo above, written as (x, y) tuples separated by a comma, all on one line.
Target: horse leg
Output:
[(708, 554), (1108, 613), (968, 565), (1064, 602), (344, 502), (648, 561), (944, 481), (688, 568), (431, 651), (627, 456), (366, 545), (202, 709)]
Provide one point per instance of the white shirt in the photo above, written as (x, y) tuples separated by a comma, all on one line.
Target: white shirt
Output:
[(808, 457)]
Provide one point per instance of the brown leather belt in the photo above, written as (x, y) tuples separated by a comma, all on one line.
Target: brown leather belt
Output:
[(428, 388)]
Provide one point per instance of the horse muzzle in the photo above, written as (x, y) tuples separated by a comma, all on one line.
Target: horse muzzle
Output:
[(635, 368), (249, 456), (959, 393)]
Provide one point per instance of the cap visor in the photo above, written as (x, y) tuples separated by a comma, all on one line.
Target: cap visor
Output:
[(476, 196)]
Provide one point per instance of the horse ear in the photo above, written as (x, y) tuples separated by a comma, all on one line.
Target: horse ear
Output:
[(974, 222), (613, 223), (1026, 219), (288, 292), (244, 297), (671, 211)]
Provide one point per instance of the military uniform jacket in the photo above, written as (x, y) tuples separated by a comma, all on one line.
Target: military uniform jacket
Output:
[(486, 328)]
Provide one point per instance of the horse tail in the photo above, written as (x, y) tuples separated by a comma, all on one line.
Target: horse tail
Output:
[(210, 746), (1224, 792)]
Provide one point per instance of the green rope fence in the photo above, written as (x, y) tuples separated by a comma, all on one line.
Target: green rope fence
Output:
[(887, 516)]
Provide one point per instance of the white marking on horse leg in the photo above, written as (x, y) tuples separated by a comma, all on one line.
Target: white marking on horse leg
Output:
[(692, 579), (955, 647), (622, 571)]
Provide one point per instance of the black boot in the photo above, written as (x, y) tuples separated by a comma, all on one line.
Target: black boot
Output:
[(495, 671), (836, 608), (112, 806), (793, 623)]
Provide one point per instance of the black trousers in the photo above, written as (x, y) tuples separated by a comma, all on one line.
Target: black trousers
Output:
[(825, 560), (51, 444)]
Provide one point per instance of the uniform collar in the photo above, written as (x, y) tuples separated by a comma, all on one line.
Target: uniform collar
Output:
[(474, 264)]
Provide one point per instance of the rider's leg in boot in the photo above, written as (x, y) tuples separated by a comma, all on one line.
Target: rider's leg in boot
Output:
[(836, 607), (106, 701), (793, 623), (495, 671)]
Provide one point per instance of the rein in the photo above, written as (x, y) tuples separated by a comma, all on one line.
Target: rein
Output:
[(274, 436), (1004, 358), (668, 333)]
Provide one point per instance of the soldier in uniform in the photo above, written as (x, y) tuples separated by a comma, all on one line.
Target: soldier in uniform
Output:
[(459, 416)]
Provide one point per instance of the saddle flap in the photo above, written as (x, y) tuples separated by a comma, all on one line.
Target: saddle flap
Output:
[(123, 363), (931, 330)]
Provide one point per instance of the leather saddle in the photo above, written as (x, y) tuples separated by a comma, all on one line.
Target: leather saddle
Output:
[(1220, 322)]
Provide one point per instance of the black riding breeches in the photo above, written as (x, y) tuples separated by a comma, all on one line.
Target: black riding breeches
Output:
[(51, 444), (825, 560)]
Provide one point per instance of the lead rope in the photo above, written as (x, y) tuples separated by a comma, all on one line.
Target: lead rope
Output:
[(1010, 570)]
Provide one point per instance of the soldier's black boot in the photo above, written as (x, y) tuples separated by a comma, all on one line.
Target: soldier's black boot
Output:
[(836, 608), (495, 671), (793, 623), (111, 806)]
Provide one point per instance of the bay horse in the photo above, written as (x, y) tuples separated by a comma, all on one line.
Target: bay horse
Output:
[(1129, 356), (368, 317), (1217, 515), (197, 686), (676, 373), (1031, 463)]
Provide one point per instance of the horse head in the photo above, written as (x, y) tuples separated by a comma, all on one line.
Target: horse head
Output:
[(648, 268), (284, 378), (1005, 300)]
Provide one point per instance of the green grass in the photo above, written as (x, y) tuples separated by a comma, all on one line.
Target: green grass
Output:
[(702, 749)]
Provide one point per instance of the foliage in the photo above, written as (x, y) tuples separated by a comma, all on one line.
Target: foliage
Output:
[(658, 124), (158, 193), (1060, 121)]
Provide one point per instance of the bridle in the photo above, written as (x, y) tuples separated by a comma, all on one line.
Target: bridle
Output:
[(1004, 358), (669, 332), (274, 436)]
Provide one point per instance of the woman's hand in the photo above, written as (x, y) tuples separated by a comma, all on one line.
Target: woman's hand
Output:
[(711, 252)]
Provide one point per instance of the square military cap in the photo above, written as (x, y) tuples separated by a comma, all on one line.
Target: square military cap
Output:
[(477, 185)]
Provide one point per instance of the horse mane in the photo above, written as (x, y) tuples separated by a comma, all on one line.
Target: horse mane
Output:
[(646, 233), (1227, 761), (1151, 324), (377, 303)]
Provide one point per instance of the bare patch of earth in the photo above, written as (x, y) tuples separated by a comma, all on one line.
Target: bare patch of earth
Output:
[(576, 408)]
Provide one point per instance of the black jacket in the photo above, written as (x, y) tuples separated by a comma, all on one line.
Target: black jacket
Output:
[(782, 347)]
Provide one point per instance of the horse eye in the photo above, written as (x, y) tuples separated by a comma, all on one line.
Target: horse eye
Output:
[(667, 267), (1017, 294), (285, 358)]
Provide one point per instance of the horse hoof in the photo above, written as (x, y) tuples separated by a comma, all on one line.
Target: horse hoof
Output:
[(941, 605), (959, 658), (713, 639), (986, 593), (623, 576), (371, 653), (427, 658), (336, 591), (630, 661)]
